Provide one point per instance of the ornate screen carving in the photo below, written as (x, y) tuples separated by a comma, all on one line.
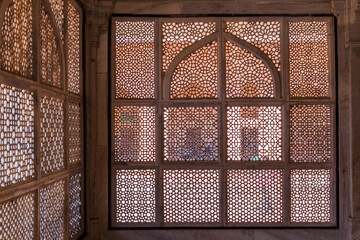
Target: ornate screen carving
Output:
[(226, 140), (74, 117), (52, 211), (16, 135), (74, 204), (16, 40), (17, 218), (57, 7), (196, 75)]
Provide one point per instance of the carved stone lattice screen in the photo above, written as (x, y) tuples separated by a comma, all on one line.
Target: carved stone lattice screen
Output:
[(223, 122), (41, 120)]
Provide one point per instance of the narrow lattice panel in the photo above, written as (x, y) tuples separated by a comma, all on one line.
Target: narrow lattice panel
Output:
[(309, 59), (74, 117), (254, 133), (50, 60), (134, 134), (134, 59), (17, 218), (263, 35), (73, 49), (246, 75), (16, 135), (310, 133), (57, 8), (75, 205), (52, 134), (191, 196), (254, 196), (196, 75), (16, 42), (178, 36), (52, 211), (310, 195), (135, 196), (191, 134)]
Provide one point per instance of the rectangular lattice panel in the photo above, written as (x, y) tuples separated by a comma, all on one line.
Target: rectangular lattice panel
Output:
[(17, 218), (57, 7), (49, 52), (191, 196), (75, 205), (16, 135), (16, 42), (73, 49), (134, 59), (134, 134), (261, 34), (254, 133), (52, 211), (309, 59), (191, 134), (310, 133), (310, 195), (135, 196), (52, 134), (74, 134), (254, 196)]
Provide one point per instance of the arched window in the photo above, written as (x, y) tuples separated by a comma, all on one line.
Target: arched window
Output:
[(237, 122)]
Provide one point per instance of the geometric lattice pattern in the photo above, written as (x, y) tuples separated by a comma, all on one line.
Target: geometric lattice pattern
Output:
[(310, 195), (191, 196), (52, 211), (178, 36), (254, 196), (134, 133), (16, 42), (246, 75), (16, 135), (309, 59), (57, 8), (135, 196), (73, 50), (190, 134), (135, 56), (50, 60), (263, 35), (17, 218), (52, 134), (74, 133), (254, 133), (74, 205), (196, 75), (310, 133)]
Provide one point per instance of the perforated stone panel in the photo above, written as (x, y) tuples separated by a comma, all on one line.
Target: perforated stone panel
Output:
[(52, 211), (310, 195), (254, 133), (178, 36), (190, 134), (16, 42), (75, 205), (196, 75), (52, 134), (17, 218), (74, 133), (49, 53), (309, 59), (263, 35), (254, 196), (191, 196), (246, 75), (16, 135), (135, 67), (310, 133), (135, 196), (57, 8), (134, 134), (73, 49)]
